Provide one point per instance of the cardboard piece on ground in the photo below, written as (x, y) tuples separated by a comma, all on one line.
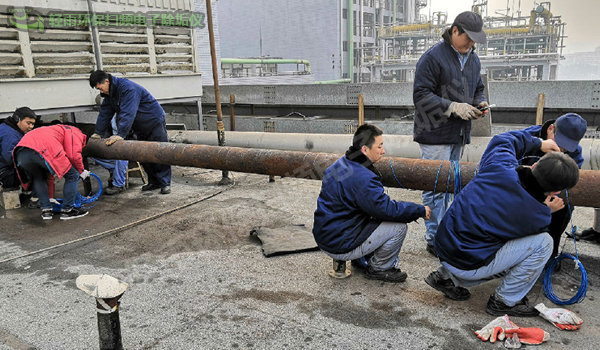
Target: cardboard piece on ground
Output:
[(285, 240)]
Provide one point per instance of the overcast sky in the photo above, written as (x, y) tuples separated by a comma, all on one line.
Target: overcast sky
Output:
[(581, 17)]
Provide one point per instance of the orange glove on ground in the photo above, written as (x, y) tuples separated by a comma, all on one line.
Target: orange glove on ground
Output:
[(495, 330), (529, 335)]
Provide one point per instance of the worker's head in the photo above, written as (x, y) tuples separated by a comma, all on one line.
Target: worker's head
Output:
[(467, 30), (25, 119), (369, 140), (100, 80), (556, 172), (567, 131)]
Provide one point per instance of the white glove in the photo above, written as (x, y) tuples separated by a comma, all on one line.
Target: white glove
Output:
[(95, 136), (84, 174), (495, 329), (464, 110), (561, 318)]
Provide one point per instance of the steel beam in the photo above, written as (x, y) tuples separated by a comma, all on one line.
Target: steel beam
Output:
[(415, 174)]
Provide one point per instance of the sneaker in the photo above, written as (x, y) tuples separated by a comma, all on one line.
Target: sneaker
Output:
[(431, 250), (74, 213), (150, 187), (47, 214), (392, 275), (446, 286), (113, 190), (165, 190), (34, 203), (496, 307)]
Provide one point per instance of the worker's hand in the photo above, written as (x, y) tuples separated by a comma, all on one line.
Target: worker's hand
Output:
[(561, 318), (113, 139), (95, 136), (495, 330), (427, 213), (554, 203), (549, 146), (84, 174), (464, 110), (529, 335), (482, 105)]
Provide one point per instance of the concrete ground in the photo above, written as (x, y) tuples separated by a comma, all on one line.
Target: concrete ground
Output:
[(197, 280)]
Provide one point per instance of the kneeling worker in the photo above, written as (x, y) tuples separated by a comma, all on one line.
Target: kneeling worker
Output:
[(498, 225), (356, 218)]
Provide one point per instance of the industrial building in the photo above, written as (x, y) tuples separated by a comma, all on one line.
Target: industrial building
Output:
[(388, 37)]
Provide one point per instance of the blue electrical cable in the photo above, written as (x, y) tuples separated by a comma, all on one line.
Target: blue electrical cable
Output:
[(81, 201), (393, 173), (582, 291)]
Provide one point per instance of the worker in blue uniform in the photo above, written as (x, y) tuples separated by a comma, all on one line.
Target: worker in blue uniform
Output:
[(138, 111)]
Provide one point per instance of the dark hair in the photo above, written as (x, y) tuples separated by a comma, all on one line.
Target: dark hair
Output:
[(22, 113), (97, 77), (365, 136), (460, 30), (555, 172)]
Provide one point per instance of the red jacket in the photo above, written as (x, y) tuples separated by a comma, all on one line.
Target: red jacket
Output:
[(59, 145)]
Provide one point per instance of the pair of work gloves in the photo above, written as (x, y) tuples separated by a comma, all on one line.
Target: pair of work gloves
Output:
[(466, 111), (109, 141), (503, 327)]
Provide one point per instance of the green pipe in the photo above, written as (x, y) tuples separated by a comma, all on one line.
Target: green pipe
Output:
[(306, 63), (350, 40), (336, 81)]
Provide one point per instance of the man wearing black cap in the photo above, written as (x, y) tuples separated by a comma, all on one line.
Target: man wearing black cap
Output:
[(566, 131), (11, 132), (447, 91)]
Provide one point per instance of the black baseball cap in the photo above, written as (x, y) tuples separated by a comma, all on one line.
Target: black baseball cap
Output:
[(472, 24)]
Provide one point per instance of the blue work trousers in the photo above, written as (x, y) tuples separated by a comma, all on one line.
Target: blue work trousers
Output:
[(438, 202), (519, 262)]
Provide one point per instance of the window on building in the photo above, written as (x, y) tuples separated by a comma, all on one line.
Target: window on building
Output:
[(345, 46), (345, 13)]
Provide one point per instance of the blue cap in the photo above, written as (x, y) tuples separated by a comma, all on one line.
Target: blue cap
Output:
[(569, 130)]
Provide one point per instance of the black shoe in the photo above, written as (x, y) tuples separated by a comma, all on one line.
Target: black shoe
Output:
[(47, 214), (74, 213), (431, 250), (446, 286), (165, 190), (590, 234), (113, 190), (150, 187), (33, 204), (391, 275), (496, 307)]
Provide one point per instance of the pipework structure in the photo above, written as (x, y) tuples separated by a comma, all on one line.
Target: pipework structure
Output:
[(519, 47)]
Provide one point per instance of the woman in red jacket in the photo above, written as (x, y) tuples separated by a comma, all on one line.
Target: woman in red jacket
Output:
[(48, 151)]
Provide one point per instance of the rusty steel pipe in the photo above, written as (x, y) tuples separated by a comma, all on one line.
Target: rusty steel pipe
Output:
[(414, 174)]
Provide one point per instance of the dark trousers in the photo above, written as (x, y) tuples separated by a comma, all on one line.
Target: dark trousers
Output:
[(9, 178), (158, 174), (560, 221)]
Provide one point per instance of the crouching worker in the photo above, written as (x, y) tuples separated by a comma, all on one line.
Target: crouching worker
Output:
[(356, 218), (11, 132), (498, 225), (48, 151)]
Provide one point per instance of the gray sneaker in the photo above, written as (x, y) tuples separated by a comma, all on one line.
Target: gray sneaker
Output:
[(47, 214), (74, 213)]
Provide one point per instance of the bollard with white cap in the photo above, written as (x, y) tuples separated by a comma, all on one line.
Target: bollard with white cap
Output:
[(107, 290)]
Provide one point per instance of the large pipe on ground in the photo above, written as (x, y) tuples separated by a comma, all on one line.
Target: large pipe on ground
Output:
[(415, 174), (395, 145)]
